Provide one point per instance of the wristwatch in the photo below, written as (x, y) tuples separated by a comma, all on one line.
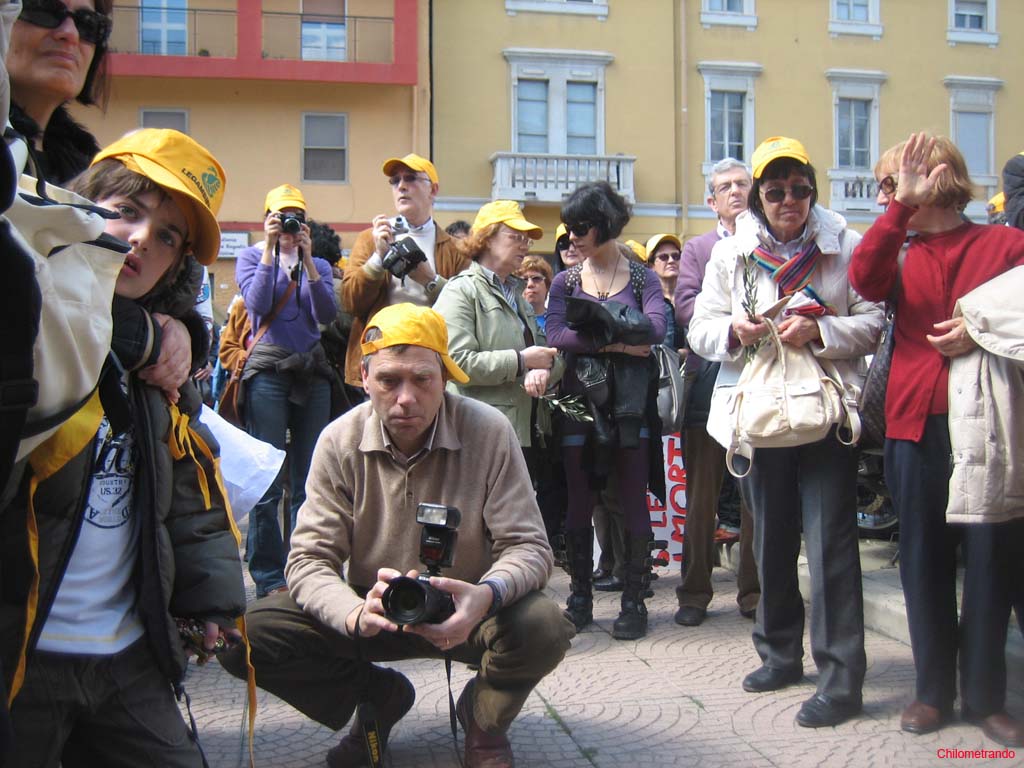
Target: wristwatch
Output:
[(432, 286), (496, 598)]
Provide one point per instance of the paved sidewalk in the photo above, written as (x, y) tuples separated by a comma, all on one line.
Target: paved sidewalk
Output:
[(671, 699)]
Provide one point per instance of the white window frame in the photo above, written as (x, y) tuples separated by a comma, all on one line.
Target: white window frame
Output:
[(558, 67), (748, 17), (323, 21), (871, 28), (163, 26), (346, 147), (862, 85), (143, 111), (596, 8), (738, 77), (988, 36), (978, 95)]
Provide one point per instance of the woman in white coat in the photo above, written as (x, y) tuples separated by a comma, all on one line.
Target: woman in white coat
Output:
[(786, 245)]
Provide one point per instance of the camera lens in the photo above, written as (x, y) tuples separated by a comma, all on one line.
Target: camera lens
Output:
[(291, 224), (415, 601)]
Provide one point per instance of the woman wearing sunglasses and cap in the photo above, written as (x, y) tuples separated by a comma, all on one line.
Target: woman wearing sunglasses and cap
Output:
[(786, 245)]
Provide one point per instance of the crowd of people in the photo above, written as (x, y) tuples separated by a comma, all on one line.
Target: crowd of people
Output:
[(449, 380)]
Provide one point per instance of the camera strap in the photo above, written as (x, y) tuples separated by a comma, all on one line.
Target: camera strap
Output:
[(365, 709), (452, 717)]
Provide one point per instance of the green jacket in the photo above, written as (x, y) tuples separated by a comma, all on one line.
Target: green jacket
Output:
[(485, 335)]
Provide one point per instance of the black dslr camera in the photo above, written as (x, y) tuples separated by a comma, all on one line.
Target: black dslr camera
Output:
[(291, 223), (415, 601), (402, 256)]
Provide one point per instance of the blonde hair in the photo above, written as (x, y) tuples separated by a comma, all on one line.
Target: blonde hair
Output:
[(953, 187), (474, 245)]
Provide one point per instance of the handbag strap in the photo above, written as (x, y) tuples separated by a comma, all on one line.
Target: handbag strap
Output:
[(244, 356)]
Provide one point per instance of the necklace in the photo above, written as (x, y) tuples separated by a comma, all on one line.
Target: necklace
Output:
[(603, 295)]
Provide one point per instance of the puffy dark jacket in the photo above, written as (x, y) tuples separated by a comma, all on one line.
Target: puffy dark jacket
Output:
[(1013, 188), (188, 564)]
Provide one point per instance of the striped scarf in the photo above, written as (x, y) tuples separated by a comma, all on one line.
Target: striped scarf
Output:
[(795, 275)]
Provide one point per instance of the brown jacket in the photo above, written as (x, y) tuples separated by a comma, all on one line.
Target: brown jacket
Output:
[(362, 296), (233, 336), (361, 506)]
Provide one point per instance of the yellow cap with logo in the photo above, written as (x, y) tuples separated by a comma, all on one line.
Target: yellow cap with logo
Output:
[(415, 162), (184, 167), (505, 212), (416, 325), (772, 149), (284, 196)]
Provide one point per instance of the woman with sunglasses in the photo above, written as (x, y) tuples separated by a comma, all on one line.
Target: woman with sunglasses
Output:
[(787, 246), (950, 394), (289, 294), (595, 215), (58, 53), (663, 254)]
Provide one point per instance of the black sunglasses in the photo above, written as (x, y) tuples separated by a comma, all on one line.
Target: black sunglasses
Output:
[(580, 229), (666, 255), (93, 27), (778, 194)]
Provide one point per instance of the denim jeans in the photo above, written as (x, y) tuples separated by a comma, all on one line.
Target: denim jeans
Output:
[(270, 416)]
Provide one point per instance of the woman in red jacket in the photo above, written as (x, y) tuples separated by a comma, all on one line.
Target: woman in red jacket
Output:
[(925, 255)]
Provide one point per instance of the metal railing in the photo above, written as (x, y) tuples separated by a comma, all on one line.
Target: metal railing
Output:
[(551, 178), (285, 36)]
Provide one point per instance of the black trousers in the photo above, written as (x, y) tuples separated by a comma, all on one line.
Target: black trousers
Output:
[(918, 477)]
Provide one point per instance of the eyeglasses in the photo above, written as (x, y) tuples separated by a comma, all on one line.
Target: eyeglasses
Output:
[(580, 229), (563, 243), (93, 27), (666, 255), (726, 187), (888, 185), (408, 178), (517, 237), (778, 194)]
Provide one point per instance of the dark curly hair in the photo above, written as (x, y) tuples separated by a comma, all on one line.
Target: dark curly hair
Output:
[(598, 205), (326, 243)]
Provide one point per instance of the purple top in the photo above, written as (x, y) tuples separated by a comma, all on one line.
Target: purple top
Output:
[(692, 266), (310, 305), (572, 343)]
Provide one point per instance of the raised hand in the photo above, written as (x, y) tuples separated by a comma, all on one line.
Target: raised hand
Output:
[(916, 184)]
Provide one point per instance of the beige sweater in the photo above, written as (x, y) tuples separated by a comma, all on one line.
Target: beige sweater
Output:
[(360, 509)]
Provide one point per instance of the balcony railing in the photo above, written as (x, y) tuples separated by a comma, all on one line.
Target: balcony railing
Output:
[(548, 178), (852, 191), (191, 32), (285, 36)]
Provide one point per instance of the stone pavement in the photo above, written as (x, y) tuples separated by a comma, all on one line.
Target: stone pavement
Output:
[(670, 699)]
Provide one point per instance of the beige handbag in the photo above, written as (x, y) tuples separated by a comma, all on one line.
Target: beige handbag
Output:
[(786, 396)]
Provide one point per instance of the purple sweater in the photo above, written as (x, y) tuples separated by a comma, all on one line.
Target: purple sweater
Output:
[(312, 304), (572, 343), (696, 255)]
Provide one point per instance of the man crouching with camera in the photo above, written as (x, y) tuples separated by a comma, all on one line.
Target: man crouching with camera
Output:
[(401, 258), (414, 453)]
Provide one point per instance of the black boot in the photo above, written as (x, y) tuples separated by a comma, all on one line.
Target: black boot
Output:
[(579, 548), (632, 621)]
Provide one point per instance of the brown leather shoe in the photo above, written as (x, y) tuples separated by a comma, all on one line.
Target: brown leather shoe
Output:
[(483, 749), (1001, 728), (920, 718)]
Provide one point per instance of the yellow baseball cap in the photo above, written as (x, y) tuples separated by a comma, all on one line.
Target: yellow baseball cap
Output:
[(657, 240), (181, 165), (772, 149), (285, 196), (505, 212), (560, 232), (415, 162), (416, 325), (638, 249), (998, 202)]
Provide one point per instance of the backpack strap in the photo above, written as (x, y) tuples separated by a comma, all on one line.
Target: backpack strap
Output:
[(637, 278), (574, 278)]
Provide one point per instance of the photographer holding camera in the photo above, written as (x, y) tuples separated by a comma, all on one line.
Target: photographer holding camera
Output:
[(287, 379), (372, 470), (403, 258)]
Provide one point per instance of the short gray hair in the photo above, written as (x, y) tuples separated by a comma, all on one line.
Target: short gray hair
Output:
[(723, 166)]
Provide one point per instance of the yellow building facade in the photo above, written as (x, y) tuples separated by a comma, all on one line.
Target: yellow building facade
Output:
[(525, 99)]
